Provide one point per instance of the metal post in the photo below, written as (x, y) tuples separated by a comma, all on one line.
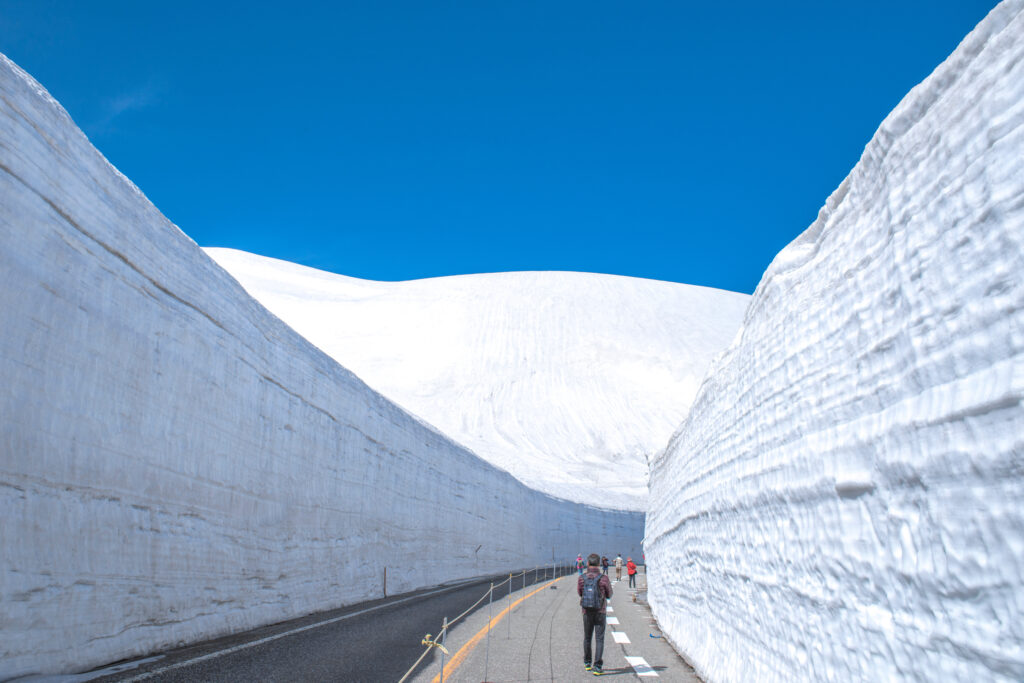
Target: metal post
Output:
[(487, 651), (444, 637), (510, 604)]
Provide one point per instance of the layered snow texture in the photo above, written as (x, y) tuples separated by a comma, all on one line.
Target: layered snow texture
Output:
[(176, 462), (569, 381), (844, 501)]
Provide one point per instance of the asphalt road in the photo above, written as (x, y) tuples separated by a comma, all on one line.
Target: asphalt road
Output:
[(373, 641)]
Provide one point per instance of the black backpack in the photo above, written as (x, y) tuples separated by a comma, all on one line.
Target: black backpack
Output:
[(592, 596)]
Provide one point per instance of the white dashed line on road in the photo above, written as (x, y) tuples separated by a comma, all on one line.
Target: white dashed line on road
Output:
[(620, 637), (614, 621), (641, 666)]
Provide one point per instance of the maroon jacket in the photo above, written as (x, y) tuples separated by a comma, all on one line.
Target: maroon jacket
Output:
[(604, 584)]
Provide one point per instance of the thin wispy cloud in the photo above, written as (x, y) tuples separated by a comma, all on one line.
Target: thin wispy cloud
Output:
[(114, 107)]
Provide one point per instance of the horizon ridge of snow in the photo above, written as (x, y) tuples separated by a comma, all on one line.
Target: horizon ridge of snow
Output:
[(538, 372)]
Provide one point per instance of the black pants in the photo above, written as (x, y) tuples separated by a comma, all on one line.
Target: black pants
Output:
[(632, 580), (593, 625)]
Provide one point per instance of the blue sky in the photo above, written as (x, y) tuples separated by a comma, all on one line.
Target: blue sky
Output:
[(396, 140)]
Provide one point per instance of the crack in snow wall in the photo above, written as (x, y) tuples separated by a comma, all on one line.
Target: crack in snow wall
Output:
[(176, 463), (844, 501)]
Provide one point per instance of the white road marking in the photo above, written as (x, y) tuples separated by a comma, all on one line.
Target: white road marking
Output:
[(97, 673), (641, 666), (244, 646), (620, 637), (614, 621), (610, 608)]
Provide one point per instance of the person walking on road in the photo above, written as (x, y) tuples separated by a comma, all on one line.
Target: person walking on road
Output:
[(594, 589), (604, 564), (631, 570), (579, 564), (618, 567)]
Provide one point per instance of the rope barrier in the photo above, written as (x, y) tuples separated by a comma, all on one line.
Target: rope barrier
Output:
[(437, 641), (475, 605), (413, 667)]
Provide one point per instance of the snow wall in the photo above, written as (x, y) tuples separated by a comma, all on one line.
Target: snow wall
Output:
[(177, 463), (845, 500)]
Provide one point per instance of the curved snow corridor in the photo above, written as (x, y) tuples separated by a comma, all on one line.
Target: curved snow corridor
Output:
[(844, 501), (176, 462)]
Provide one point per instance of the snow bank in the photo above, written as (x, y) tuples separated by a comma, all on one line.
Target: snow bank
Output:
[(176, 462), (844, 501), (569, 381)]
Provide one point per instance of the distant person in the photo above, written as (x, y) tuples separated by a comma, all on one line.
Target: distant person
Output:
[(631, 570), (579, 564), (595, 589), (604, 564), (618, 567)]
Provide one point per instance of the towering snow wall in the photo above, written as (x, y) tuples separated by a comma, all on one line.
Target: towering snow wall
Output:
[(176, 462), (846, 498)]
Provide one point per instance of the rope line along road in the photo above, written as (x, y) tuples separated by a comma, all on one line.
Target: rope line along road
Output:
[(546, 646), (295, 631), (375, 641), (463, 651), (489, 594), (378, 641)]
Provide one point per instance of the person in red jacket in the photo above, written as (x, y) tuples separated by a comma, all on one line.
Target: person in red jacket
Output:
[(594, 618), (631, 570)]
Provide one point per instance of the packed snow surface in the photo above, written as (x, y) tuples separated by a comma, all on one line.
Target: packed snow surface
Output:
[(845, 500), (177, 463), (570, 381)]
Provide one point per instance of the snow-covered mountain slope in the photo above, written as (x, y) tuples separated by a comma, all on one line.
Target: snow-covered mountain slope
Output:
[(176, 462), (844, 501), (569, 381)]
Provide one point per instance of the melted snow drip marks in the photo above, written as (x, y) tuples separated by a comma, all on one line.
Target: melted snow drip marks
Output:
[(843, 500)]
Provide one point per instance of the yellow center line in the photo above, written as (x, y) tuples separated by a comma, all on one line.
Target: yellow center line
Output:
[(460, 656)]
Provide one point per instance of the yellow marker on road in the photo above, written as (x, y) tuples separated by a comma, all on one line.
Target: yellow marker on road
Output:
[(464, 651)]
